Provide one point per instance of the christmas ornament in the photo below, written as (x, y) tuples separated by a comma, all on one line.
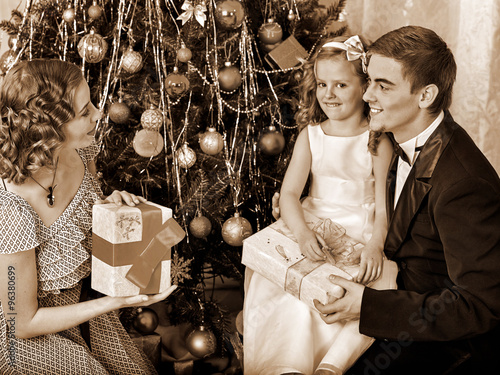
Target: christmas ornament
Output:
[(236, 229), (229, 14), (229, 77), (146, 321), (291, 15), (198, 11), (270, 32), (7, 60), (147, 143), (13, 42), (271, 142), (180, 269), (186, 157), (200, 226), (201, 342), (176, 84), (184, 54), (92, 47), (16, 20), (287, 54), (131, 61), (95, 11), (211, 142), (69, 15), (269, 47), (152, 118), (119, 112)]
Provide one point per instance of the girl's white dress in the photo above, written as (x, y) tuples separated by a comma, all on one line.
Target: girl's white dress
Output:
[(281, 333)]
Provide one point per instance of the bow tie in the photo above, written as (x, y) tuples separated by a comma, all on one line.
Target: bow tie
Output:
[(399, 151)]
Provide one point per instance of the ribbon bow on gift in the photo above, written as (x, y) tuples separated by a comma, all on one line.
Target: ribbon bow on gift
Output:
[(354, 49), (189, 10), (341, 249)]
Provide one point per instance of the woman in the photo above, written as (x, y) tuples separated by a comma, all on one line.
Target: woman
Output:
[(47, 149)]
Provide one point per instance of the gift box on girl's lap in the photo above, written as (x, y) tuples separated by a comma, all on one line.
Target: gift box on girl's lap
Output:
[(131, 248), (275, 254)]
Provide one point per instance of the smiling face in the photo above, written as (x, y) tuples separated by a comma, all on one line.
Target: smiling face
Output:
[(80, 131), (339, 89), (393, 108)]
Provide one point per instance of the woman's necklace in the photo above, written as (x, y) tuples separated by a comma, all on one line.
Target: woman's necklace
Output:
[(50, 197)]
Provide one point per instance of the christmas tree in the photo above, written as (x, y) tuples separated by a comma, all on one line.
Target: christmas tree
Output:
[(198, 99)]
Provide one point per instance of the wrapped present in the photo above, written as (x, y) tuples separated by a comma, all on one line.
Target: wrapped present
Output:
[(274, 253), (287, 54), (131, 248)]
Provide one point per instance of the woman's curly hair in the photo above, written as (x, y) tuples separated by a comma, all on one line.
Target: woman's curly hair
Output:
[(310, 111), (36, 100)]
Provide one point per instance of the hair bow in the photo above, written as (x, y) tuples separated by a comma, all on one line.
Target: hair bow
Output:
[(354, 49)]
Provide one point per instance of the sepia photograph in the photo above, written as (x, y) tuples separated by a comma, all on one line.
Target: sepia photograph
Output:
[(249, 187)]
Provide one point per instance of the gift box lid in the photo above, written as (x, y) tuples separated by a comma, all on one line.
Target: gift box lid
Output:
[(122, 223)]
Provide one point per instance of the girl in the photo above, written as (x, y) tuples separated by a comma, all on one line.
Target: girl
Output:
[(348, 166), (47, 191)]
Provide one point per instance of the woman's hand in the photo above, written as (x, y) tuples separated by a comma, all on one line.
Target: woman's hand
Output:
[(371, 264), (118, 197), (146, 299)]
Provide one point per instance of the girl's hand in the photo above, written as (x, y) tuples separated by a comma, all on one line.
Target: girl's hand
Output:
[(371, 265), (309, 245), (118, 197), (145, 299)]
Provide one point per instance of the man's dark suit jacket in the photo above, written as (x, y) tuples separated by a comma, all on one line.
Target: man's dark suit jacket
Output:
[(445, 236)]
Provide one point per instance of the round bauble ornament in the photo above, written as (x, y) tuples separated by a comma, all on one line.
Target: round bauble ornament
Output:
[(7, 60), (291, 15), (69, 15), (131, 61), (201, 342), (152, 118), (95, 11), (211, 142), (269, 47), (92, 47), (236, 229), (184, 54), (146, 321), (270, 32), (200, 226), (229, 14), (16, 20), (176, 84), (13, 42), (148, 143), (229, 77), (271, 142), (119, 112), (186, 157)]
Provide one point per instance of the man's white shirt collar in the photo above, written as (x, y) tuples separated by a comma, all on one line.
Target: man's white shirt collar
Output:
[(418, 141), (409, 148)]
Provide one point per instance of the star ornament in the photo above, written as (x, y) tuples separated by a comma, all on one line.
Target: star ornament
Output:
[(189, 10)]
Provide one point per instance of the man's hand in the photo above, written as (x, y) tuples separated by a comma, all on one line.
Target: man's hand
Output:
[(276, 206), (345, 308)]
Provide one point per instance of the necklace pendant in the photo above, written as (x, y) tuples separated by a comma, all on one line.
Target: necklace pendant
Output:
[(50, 197)]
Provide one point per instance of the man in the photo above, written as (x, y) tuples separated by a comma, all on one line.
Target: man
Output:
[(444, 224)]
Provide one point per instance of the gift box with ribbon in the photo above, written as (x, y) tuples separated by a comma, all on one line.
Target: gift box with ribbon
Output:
[(131, 248), (275, 254)]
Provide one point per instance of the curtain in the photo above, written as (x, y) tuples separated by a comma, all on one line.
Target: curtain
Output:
[(471, 29)]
